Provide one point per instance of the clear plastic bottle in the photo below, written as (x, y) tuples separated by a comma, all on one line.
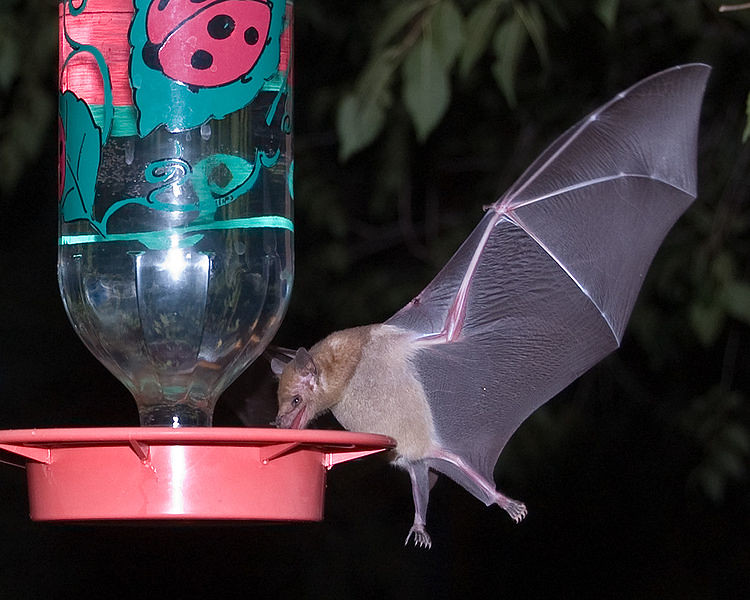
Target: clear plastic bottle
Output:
[(176, 236)]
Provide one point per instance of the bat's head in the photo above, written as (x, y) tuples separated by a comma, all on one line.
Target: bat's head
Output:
[(299, 384)]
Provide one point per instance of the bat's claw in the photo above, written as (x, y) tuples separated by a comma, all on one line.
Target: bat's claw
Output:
[(421, 537), (517, 510)]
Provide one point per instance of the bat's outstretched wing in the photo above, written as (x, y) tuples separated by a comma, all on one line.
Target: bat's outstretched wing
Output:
[(543, 287)]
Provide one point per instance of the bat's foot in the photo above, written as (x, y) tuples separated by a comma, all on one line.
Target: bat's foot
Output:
[(516, 510), (421, 537)]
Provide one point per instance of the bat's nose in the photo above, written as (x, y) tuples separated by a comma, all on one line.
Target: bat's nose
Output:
[(281, 421)]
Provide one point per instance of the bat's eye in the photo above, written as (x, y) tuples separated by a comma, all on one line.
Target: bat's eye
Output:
[(296, 400)]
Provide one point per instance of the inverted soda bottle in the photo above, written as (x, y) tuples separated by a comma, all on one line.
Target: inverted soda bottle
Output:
[(175, 254)]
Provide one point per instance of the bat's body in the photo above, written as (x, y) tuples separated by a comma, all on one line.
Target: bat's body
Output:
[(540, 291)]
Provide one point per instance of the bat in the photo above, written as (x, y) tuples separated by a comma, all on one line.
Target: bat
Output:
[(540, 291)]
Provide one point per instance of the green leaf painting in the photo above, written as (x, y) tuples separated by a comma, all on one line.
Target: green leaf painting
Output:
[(81, 158)]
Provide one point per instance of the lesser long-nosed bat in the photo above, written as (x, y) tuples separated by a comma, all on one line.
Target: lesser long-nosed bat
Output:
[(540, 291)]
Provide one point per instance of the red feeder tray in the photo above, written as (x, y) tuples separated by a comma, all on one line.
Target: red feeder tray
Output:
[(191, 473)]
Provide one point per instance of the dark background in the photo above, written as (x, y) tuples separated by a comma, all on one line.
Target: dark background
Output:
[(636, 477)]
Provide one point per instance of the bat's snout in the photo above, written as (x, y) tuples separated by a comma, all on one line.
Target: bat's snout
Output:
[(293, 419)]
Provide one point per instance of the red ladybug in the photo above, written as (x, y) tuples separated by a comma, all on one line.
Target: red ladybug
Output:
[(206, 43)]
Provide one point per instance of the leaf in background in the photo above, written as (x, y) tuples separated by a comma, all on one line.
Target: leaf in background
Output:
[(533, 21), (9, 57), (736, 300), (396, 19), (360, 115), (606, 11), (27, 65), (707, 321), (509, 43), (553, 10), (82, 155), (447, 32), (737, 437), (480, 26), (723, 267), (358, 122), (714, 421), (426, 87)]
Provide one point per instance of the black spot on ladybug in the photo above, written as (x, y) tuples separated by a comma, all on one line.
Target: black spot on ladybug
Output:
[(251, 36), (220, 27), (150, 55), (201, 60), (220, 176)]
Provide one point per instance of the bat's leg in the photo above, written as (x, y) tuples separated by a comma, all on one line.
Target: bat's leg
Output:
[(456, 468), (420, 489)]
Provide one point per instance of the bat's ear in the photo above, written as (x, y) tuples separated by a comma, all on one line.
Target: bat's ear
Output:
[(278, 357), (304, 364), (277, 366)]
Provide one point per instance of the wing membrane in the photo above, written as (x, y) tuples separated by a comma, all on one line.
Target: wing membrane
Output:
[(552, 271)]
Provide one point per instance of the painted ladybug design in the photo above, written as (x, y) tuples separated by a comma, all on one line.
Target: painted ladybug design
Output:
[(206, 43)]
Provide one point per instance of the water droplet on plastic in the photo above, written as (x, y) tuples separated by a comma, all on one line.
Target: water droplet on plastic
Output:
[(206, 131), (129, 152)]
